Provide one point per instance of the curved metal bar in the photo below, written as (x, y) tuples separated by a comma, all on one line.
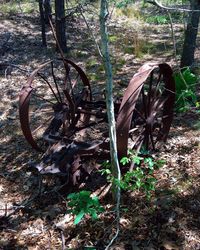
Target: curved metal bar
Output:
[(83, 76), (131, 96), (24, 101), (25, 96), (170, 91)]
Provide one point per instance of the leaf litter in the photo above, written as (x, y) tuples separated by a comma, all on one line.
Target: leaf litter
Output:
[(33, 208)]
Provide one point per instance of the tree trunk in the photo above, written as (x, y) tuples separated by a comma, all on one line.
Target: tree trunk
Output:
[(47, 10), (42, 20), (109, 90), (191, 32), (60, 24), (110, 113)]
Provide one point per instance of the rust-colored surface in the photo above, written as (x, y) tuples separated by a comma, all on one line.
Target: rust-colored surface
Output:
[(25, 96), (130, 99), (143, 117)]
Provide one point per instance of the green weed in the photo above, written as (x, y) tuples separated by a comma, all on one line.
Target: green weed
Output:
[(14, 7), (82, 204), (141, 177), (186, 97), (158, 19), (112, 38)]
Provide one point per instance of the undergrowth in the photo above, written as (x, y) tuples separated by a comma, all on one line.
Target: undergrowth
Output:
[(186, 96)]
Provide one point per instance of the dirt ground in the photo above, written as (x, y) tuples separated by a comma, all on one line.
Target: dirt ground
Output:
[(33, 210)]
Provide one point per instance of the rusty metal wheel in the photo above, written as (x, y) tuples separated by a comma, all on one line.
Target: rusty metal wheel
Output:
[(146, 111), (49, 102)]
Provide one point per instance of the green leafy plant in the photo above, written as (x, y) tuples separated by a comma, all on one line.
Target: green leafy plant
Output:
[(123, 3), (141, 177), (82, 204), (185, 89), (158, 19)]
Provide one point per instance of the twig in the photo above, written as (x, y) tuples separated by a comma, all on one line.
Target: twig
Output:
[(14, 66), (173, 37), (91, 32), (156, 3), (62, 239)]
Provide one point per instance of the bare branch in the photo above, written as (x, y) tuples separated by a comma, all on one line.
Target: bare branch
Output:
[(173, 37), (91, 32), (2, 65), (156, 3)]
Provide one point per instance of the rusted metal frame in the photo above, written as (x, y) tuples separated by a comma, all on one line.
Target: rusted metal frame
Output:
[(159, 105), (126, 110), (84, 111), (140, 115), (77, 112), (127, 106), (77, 129), (86, 83), (156, 107), (72, 108), (79, 150), (24, 117), (24, 101), (45, 80), (144, 103), (76, 80), (68, 87), (168, 108), (129, 100), (61, 112), (26, 94), (42, 98), (82, 75), (50, 118), (55, 81), (149, 92), (80, 98)]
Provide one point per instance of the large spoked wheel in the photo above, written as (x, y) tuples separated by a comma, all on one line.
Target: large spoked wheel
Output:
[(146, 111), (49, 102)]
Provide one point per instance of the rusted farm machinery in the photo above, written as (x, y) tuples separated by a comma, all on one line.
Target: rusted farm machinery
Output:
[(59, 115)]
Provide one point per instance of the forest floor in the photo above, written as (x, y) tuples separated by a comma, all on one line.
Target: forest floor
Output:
[(31, 221)]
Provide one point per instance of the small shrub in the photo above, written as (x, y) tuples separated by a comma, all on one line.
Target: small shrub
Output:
[(14, 7), (158, 19), (82, 204), (185, 82), (141, 177)]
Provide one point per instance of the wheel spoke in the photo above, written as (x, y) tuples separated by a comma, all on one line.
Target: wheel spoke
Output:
[(42, 98), (140, 114), (48, 83), (55, 81), (152, 139), (149, 92), (75, 81), (42, 125), (144, 103)]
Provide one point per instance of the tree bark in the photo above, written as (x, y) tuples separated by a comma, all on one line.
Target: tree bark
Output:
[(110, 111), (47, 10), (42, 20), (187, 58), (60, 24)]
